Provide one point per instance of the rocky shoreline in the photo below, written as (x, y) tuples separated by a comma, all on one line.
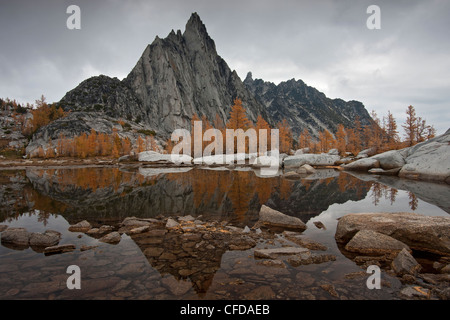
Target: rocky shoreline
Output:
[(427, 161), (188, 248)]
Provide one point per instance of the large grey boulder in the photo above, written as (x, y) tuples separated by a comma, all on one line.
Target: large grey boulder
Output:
[(111, 238), (419, 232), (365, 153), (362, 164), (374, 243), (323, 159), (82, 226), (429, 160), (47, 239), (273, 253), (272, 218), (390, 159)]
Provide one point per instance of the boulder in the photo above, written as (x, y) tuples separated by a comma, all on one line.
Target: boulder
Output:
[(374, 243), (333, 152), (137, 222), (323, 159), (273, 218), (362, 164), (138, 230), (404, 263), (47, 239), (266, 161), (59, 249), (171, 223), (292, 175), (155, 157), (382, 172), (390, 159), (112, 238), (366, 153), (16, 236), (82, 226), (274, 253), (419, 232)]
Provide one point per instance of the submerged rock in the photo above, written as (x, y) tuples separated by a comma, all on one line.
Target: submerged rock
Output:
[(82, 226), (16, 236), (112, 238), (59, 249), (273, 253), (47, 239)]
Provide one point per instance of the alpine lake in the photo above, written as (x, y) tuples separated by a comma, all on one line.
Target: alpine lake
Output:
[(194, 260)]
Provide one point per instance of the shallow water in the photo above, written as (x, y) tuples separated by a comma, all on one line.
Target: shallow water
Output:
[(42, 199)]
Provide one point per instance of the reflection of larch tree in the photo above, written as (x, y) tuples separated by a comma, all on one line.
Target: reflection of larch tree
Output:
[(392, 195), (413, 201), (377, 192)]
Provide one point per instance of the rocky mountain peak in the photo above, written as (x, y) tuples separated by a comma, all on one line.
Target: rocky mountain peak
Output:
[(248, 79)]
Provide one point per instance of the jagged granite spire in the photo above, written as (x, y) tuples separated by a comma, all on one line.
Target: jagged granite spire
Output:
[(180, 76), (196, 36)]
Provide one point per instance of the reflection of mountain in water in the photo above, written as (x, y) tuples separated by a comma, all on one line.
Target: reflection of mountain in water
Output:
[(109, 194)]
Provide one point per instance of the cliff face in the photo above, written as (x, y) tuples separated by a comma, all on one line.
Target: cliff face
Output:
[(180, 76)]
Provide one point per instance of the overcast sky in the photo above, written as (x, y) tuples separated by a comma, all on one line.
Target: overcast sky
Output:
[(325, 43)]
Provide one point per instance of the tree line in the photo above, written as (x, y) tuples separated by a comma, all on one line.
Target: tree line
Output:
[(381, 134)]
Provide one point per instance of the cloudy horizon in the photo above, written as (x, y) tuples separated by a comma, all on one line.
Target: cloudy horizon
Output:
[(326, 44)]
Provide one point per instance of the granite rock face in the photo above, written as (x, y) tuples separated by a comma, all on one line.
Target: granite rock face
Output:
[(429, 160)]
